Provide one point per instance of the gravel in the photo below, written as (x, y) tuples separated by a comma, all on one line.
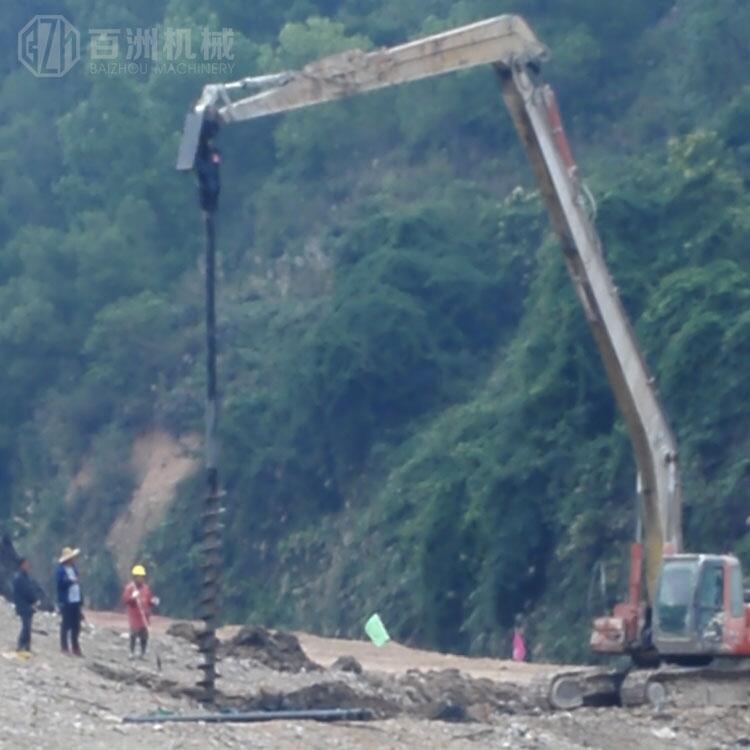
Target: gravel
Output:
[(55, 701)]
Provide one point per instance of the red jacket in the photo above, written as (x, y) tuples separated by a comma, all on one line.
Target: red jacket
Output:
[(139, 608)]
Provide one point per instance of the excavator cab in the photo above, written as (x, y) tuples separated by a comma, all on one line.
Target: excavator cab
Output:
[(699, 608)]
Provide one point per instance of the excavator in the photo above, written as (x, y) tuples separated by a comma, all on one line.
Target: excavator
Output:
[(685, 624)]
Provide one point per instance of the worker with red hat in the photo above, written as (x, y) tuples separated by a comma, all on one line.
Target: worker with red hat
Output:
[(139, 601)]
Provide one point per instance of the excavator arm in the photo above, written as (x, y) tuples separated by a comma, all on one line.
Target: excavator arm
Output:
[(537, 120), (507, 43)]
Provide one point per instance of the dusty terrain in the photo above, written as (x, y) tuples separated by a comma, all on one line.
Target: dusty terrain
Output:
[(53, 701)]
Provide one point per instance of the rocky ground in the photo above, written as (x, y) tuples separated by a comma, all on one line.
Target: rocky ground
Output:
[(54, 701)]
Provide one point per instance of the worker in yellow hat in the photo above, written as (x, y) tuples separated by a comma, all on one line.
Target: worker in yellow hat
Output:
[(139, 601)]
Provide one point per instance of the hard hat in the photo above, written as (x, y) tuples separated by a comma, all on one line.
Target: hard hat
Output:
[(138, 570)]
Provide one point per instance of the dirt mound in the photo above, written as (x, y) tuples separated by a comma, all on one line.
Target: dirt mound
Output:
[(323, 695), (347, 664), (440, 694), (451, 695), (274, 649), (185, 630)]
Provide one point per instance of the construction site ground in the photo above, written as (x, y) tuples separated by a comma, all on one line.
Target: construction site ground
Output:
[(420, 699)]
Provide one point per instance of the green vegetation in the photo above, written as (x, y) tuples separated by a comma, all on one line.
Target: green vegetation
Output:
[(415, 420)]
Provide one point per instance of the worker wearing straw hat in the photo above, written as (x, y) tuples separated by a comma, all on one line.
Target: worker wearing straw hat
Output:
[(70, 599)]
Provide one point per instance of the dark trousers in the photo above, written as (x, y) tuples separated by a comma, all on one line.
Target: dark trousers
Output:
[(24, 639), (70, 626), (139, 635)]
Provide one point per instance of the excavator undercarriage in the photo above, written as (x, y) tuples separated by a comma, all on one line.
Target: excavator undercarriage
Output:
[(722, 683)]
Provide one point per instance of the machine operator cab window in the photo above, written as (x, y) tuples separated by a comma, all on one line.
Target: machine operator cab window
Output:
[(710, 601), (690, 598), (675, 596)]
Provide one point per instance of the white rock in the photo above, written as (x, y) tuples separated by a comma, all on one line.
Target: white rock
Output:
[(664, 733)]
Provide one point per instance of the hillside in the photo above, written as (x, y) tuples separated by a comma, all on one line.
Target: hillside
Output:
[(414, 418)]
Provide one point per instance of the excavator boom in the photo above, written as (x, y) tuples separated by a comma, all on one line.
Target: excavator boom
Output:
[(505, 40), (508, 43)]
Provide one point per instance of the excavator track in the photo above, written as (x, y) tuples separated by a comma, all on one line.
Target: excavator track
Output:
[(565, 691), (688, 687), (720, 684)]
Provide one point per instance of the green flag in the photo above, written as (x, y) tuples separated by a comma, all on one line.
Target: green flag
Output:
[(376, 631)]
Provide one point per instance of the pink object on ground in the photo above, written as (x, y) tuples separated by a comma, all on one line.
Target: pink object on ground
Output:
[(519, 647)]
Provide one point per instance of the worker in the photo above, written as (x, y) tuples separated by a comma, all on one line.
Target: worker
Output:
[(139, 601), (519, 641), (70, 600), (25, 595)]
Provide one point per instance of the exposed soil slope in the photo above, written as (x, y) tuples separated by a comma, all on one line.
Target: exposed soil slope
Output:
[(160, 462)]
